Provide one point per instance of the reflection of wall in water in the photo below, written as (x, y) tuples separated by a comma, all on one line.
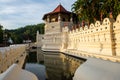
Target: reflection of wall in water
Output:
[(53, 65), (40, 57), (60, 66), (70, 65)]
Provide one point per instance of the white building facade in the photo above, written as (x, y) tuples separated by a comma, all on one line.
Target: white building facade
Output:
[(99, 40), (55, 24)]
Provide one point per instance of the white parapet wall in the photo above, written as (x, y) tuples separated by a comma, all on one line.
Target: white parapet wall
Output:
[(52, 42), (100, 40), (12, 54), (116, 29), (97, 39)]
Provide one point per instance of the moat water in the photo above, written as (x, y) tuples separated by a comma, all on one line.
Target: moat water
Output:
[(52, 65)]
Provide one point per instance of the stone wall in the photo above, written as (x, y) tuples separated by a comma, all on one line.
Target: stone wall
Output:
[(116, 33), (52, 42), (53, 27), (39, 38), (100, 38), (10, 55)]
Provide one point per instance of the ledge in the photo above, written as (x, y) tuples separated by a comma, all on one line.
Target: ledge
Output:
[(14, 72), (97, 69)]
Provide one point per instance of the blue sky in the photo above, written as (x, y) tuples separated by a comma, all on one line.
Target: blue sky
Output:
[(18, 13)]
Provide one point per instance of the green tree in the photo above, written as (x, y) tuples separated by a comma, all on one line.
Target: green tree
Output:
[(91, 10), (25, 33), (111, 6), (1, 34)]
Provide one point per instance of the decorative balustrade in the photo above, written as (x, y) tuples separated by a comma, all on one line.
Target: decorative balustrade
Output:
[(101, 38)]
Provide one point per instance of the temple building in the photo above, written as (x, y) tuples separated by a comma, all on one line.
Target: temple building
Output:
[(99, 39), (56, 22), (97, 43)]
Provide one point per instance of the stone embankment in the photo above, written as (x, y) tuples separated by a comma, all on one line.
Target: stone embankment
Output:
[(12, 54)]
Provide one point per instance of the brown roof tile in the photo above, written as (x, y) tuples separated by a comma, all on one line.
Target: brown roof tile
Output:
[(58, 9)]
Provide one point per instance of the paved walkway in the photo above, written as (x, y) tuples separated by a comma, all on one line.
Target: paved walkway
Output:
[(97, 69)]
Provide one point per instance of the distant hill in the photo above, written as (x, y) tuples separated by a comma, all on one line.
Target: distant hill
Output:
[(25, 33)]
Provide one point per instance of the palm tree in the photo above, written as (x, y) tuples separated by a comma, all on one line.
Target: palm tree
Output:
[(111, 6), (90, 10)]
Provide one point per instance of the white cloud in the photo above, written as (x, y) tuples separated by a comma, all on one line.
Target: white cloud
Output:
[(7, 10), (18, 13), (6, 1)]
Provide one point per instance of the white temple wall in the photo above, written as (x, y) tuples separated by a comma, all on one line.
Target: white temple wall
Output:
[(100, 38), (96, 39), (52, 42), (53, 27), (116, 29)]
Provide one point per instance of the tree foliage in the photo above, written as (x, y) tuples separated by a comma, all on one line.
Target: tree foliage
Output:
[(90, 10), (1, 34), (25, 33)]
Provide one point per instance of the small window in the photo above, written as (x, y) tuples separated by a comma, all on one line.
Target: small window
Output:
[(105, 27), (106, 20), (56, 19), (1, 71), (52, 26), (117, 21), (17, 61), (114, 26), (63, 19)]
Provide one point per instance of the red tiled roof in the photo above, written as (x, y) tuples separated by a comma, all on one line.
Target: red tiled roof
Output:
[(58, 9)]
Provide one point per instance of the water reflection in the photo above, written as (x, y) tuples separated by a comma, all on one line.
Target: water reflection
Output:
[(37, 69), (59, 66)]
